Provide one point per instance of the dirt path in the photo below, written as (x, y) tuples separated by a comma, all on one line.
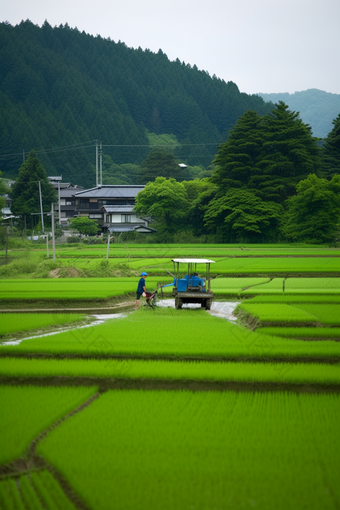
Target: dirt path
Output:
[(106, 383)]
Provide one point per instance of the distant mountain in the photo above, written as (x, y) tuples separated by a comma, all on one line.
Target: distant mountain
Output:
[(317, 108), (62, 87)]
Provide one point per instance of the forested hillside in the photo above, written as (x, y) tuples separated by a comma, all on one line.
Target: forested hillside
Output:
[(317, 108), (61, 87)]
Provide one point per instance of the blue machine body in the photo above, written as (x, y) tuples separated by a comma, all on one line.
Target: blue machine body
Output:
[(191, 283)]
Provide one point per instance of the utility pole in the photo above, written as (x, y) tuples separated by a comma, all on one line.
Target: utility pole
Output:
[(59, 213), (41, 209), (96, 162), (53, 233), (108, 246), (100, 165), (6, 244)]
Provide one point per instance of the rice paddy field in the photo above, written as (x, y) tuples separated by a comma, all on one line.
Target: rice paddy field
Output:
[(165, 408)]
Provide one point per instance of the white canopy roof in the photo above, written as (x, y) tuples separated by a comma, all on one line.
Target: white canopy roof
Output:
[(194, 261)]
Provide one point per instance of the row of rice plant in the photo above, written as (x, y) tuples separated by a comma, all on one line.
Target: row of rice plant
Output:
[(17, 322), (297, 298), (285, 372), (28, 410), (73, 288), (291, 332), (194, 250), (297, 286), (185, 333), (233, 265), (275, 286), (302, 312), (137, 450), (272, 312), (253, 265), (311, 284), (38, 491)]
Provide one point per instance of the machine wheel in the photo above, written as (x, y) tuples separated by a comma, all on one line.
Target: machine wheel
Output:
[(208, 304), (178, 303)]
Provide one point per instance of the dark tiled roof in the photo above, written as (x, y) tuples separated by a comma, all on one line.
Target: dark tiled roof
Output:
[(113, 191), (68, 192)]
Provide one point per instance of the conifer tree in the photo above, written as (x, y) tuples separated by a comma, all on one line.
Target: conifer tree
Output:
[(331, 151), (25, 191), (268, 154)]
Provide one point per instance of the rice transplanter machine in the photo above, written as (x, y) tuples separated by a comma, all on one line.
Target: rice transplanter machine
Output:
[(192, 288)]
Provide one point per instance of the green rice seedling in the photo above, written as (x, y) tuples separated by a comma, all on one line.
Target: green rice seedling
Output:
[(50, 492), (313, 333), (28, 494), (270, 312), (27, 410), (225, 286), (73, 288), (198, 335), (37, 491), (234, 265), (277, 265), (15, 322), (326, 314), (297, 298), (9, 496), (285, 372), (313, 285), (274, 286), (135, 449), (195, 250)]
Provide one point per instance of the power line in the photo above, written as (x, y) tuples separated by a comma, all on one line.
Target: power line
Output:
[(63, 148), (86, 145)]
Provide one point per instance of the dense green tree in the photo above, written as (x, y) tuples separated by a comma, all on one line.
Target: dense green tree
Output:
[(63, 88), (268, 154), (313, 214), (331, 151), (241, 216), (165, 200), (237, 158), (160, 163), (199, 193), (25, 192), (84, 225), (289, 153)]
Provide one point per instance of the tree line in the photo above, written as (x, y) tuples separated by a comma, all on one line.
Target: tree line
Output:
[(271, 182), (62, 89)]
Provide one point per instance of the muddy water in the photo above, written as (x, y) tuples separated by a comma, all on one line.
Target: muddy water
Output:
[(222, 309), (99, 319)]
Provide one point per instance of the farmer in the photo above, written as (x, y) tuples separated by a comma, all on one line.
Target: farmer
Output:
[(141, 288)]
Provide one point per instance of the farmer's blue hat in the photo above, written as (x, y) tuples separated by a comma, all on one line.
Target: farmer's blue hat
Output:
[(144, 274)]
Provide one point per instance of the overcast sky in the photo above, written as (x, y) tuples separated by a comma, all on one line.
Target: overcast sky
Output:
[(261, 45)]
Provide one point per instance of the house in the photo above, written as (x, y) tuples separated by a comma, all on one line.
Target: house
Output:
[(67, 201), (112, 207), (66, 207), (6, 211)]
